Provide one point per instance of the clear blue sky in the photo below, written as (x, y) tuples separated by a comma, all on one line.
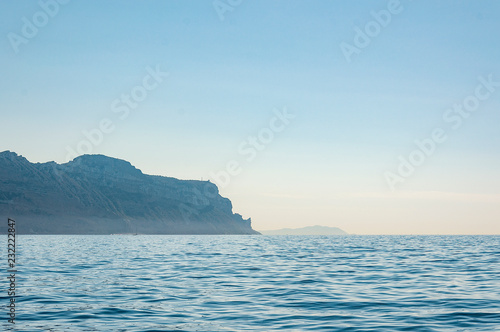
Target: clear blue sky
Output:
[(228, 77)]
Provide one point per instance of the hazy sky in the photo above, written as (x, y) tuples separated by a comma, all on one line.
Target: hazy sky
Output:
[(310, 108)]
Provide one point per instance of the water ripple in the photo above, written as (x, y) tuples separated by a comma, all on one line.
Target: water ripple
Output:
[(257, 283)]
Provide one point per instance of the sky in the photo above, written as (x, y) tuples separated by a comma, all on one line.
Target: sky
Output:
[(378, 117)]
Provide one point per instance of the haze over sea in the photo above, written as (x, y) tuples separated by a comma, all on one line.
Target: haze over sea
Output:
[(256, 283)]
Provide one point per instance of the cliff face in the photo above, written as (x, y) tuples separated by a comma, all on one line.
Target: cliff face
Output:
[(95, 194)]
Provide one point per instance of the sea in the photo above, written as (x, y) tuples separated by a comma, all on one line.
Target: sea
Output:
[(253, 283)]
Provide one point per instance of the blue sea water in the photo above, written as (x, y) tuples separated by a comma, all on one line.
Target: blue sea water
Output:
[(255, 283)]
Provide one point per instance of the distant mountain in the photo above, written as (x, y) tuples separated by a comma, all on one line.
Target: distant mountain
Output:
[(309, 230), (95, 194)]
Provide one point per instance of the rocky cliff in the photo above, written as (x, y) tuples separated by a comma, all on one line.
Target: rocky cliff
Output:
[(95, 194)]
